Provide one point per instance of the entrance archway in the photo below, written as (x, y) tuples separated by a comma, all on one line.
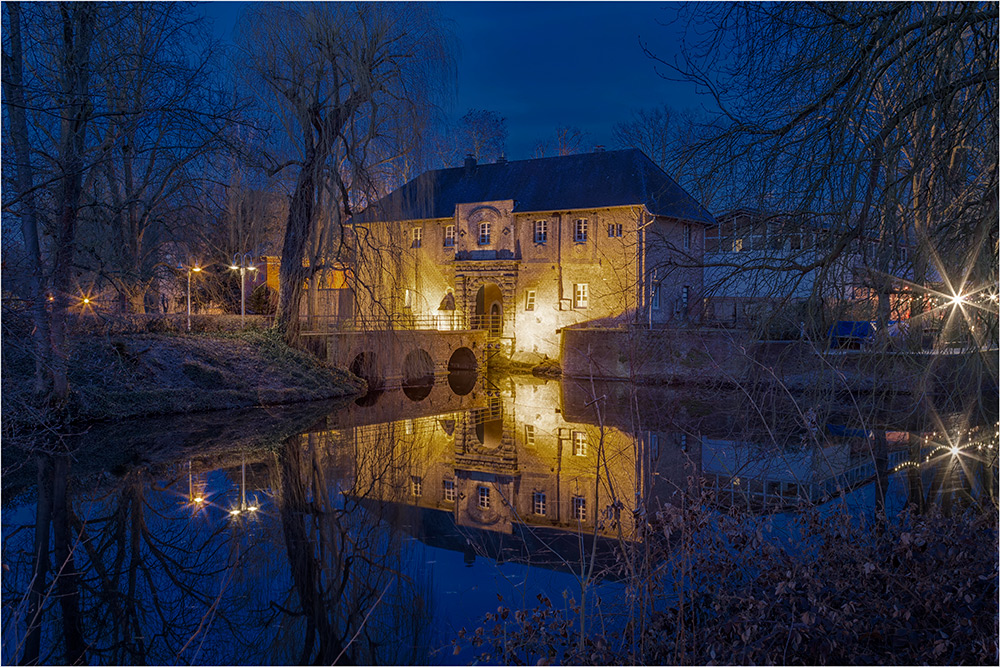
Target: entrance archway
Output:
[(489, 309)]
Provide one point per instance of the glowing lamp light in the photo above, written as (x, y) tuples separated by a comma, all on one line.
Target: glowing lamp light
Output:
[(954, 450), (199, 499), (234, 267), (252, 508), (958, 300), (196, 269), (86, 300), (51, 298), (234, 512)]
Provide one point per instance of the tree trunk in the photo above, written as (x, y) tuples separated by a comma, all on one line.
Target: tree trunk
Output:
[(40, 567), (78, 29), (293, 274), (67, 579), (13, 90)]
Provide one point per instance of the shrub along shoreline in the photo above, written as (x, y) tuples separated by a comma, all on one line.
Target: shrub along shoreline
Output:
[(118, 376)]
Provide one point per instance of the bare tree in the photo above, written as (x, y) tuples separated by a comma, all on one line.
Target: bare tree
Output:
[(347, 83)]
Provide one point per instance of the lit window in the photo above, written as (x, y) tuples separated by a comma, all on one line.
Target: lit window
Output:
[(581, 293), (449, 236), (737, 245), (416, 234), (541, 231), (484, 233), (579, 508), (579, 443), (416, 486), (538, 503), (449, 490), (484, 497), (580, 235), (529, 435), (408, 298), (614, 230), (529, 300), (687, 237), (655, 297)]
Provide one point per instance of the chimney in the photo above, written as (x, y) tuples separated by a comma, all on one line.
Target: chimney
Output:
[(502, 159), (470, 164)]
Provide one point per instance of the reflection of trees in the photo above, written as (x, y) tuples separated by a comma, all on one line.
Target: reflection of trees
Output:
[(356, 599)]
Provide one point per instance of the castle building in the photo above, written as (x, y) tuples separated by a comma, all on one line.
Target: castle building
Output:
[(527, 248)]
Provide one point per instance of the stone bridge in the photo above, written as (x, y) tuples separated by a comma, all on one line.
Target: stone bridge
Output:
[(406, 358)]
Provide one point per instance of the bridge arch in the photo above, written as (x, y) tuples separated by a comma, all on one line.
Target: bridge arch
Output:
[(462, 367), (366, 366), (418, 374)]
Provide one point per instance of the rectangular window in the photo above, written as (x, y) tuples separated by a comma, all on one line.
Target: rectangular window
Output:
[(529, 299), (484, 497), (538, 503), (484, 233), (529, 435), (655, 297), (580, 231), (579, 443), (712, 239), (541, 231), (579, 508), (408, 298), (687, 237), (654, 445), (449, 236), (416, 234), (581, 295), (614, 230), (737, 245), (449, 490), (685, 296), (416, 486)]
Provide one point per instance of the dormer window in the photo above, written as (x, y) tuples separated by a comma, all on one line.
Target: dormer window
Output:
[(580, 231), (484, 233)]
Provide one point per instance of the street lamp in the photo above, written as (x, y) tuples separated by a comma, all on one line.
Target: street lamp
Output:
[(196, 269), (244, 507), (243, 263)]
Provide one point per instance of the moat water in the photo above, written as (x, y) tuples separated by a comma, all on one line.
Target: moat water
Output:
[(385, 530)]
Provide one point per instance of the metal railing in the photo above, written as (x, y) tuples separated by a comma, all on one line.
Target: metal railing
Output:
[(457, 322)]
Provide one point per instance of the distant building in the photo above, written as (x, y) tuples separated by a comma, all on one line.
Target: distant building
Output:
[(526, 248)]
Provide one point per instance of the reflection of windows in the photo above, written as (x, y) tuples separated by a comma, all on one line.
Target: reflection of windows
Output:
[(655, 298), (687, 237), (579, 443), (529, 435), (581, 295), (408, 298), (685, 297), (580, 231), (529, 300), (579, 508), (538, 503), (614, 229), (416, 486), (484, 497), (484, 233), (449, 236), (449, 490), (416, 234), (541, 231), (654, 445)]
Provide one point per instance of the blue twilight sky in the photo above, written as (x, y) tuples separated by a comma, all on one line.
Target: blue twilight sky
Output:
[(545, 65)]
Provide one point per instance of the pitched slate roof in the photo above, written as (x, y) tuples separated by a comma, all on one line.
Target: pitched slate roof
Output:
[(589, 180)]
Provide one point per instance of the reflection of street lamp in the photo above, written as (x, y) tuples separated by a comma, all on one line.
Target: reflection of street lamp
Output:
[(196, 269), (236, 511), (243, 263), (196, 498)]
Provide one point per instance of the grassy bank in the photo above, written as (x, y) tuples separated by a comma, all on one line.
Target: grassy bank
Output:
[(123, 376)]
